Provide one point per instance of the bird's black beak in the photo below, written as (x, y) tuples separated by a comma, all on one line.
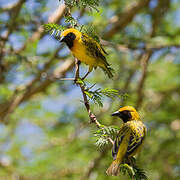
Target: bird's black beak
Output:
[(62, 39), (117, 113)]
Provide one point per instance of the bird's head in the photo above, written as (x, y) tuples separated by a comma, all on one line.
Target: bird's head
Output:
[(127, 113), (69, 35)]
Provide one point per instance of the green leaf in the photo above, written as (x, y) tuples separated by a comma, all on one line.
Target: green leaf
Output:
[(54, 29), (101, 142), (104, 133), (88, 94), (71, 20)]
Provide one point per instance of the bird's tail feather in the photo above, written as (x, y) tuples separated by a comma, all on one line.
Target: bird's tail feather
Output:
[(113, 169), (108, 70)]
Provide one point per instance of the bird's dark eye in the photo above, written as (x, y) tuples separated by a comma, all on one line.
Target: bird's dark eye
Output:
[(127, 114), (71, 36)]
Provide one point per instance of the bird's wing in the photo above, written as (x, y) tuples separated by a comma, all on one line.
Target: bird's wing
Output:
[(94, 49), (122, 134), (136, 138)]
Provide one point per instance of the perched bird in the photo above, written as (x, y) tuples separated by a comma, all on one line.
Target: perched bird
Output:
[(86, 50), (129, 139)]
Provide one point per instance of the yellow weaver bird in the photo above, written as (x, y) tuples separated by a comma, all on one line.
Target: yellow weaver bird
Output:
[(86, 50), (129, 139)]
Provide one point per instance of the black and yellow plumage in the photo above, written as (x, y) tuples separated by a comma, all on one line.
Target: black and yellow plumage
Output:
[(86, 50), (129, 139)]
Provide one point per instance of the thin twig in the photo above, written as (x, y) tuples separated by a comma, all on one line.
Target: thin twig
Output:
[(67, 79)]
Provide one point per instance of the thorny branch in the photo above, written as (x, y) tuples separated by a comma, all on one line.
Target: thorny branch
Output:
[(92, 117)]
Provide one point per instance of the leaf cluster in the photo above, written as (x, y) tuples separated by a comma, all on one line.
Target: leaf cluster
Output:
[(91, 4), (133, 172), (96, 95), (72, 21), (54, 29), (104, 133)]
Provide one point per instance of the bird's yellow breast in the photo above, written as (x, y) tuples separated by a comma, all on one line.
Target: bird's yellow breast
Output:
[(79, 50)]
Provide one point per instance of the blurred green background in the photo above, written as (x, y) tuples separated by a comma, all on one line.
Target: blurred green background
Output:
[(44, 127)]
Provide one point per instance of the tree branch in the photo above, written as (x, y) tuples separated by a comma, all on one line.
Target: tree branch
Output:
[(31, 89), (157, 14), (125, 18), (10, 7), (54, 18), (11, 25), (144, 64), (130, 47)]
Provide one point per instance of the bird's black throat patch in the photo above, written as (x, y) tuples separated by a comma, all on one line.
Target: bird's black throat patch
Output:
[(68, 39), (125, 116)]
